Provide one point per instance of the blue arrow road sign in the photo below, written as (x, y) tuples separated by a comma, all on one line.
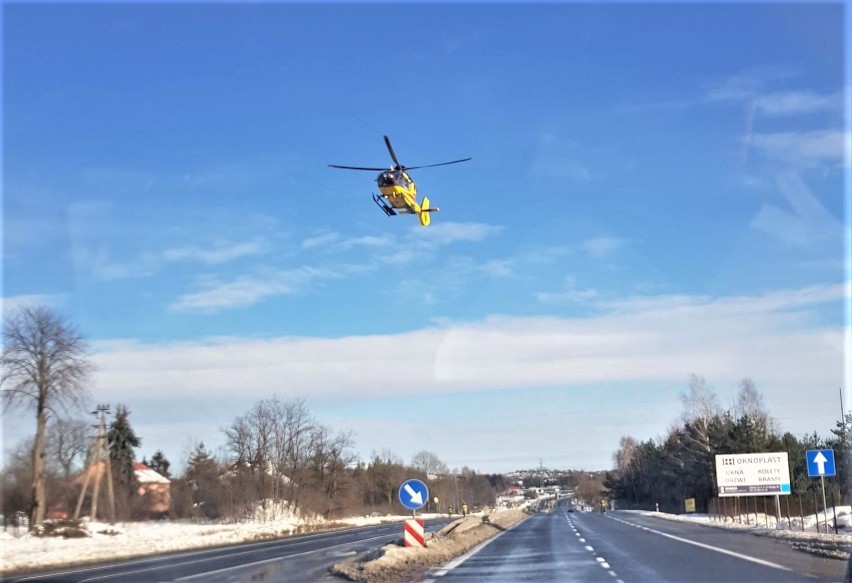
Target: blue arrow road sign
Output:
[(820, 462), (413, 494)]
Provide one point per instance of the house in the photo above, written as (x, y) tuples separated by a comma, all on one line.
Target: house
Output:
[(154, 487)]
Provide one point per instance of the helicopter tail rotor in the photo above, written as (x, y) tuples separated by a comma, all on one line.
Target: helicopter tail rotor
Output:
[(425, 211)]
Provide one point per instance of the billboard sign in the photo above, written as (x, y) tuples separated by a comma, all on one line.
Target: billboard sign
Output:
[(753, 474)]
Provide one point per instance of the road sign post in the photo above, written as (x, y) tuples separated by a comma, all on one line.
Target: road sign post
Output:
[(820, 464), (413, 494)]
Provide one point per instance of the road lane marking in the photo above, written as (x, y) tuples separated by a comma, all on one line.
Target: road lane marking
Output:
[(440, 572), (712, 548), (171, 565), (600, 560), (272, 560), (195, 552)]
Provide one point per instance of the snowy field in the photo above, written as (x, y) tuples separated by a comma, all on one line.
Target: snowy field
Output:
[(811, 524), (22, 551)]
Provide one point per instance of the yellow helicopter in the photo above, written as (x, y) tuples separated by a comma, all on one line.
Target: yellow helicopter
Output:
[(398, 191)]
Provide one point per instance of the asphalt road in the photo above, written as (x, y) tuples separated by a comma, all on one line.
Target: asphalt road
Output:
[(297, 559), (622, 547)]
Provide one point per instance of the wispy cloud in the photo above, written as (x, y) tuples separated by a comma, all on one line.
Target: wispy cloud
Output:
[(740, 87), (401, 249), (12, 303), (636, 346), (246, 291), (496, 268), (571, 294), (222, 252), (785, 103), (322, 240), (750, 89), (602, 247), (802, 149), (447, 233), (771, 337), (96, 261)]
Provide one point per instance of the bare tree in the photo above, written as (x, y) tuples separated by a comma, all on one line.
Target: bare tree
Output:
[(44, 365), (749, 402), (700, 402), (68, 441), (429, 463), (272, 442), (331, 457)]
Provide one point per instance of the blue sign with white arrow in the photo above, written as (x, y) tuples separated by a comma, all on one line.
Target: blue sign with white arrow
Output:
[(820, 463), (413, 494)]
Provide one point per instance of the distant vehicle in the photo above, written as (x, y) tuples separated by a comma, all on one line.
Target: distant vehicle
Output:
[(398, 191)]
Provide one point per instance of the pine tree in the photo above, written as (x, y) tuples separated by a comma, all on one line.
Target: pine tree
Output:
[(122, 440), (203, 478), (160, 464), (841, 443)]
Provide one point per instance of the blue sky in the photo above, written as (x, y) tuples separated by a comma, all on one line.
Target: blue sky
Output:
[(655, 190)]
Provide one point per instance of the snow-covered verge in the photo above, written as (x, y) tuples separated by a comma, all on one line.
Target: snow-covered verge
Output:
[(103, 542), (801, 534), (397, 563)]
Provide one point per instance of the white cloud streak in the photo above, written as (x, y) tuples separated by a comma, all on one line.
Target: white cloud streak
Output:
[(785, 103), (802, 149), (602, 247), (772, 337), (222, 252), (805, 222), (246, 291)]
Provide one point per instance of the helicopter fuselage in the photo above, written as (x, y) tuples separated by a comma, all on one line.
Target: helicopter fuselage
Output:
[(397, 188)]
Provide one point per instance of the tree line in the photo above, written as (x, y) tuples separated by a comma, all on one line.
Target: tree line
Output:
[(277, 457), (681, 464)]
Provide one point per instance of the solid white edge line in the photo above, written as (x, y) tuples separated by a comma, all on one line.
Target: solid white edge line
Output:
[(717, 549), (284, 558), (188, 552), (441, 571)]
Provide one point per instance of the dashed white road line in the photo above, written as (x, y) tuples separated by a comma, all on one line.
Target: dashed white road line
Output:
[(600, 560)]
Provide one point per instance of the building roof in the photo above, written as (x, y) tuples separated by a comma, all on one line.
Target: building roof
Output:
[(146, 475)]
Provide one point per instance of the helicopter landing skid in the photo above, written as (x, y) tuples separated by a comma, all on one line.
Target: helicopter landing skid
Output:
[(380, 202)]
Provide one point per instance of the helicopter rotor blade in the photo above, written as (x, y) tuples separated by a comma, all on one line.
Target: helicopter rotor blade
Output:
[(433, 165), (356, 168), (392, 153)]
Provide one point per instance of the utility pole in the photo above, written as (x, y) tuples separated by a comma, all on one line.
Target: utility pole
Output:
[(98, 455)]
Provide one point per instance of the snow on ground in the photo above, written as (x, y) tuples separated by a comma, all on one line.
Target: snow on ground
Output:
[(392, 562), (22, 551), (807, 535)]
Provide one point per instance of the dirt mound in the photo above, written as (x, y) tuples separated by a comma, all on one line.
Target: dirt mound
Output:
[(394, 562)]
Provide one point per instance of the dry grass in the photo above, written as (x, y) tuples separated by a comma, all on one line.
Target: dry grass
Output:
[(397, 563)]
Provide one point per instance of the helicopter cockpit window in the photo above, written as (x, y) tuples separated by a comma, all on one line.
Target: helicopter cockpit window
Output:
[(386, 179)]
